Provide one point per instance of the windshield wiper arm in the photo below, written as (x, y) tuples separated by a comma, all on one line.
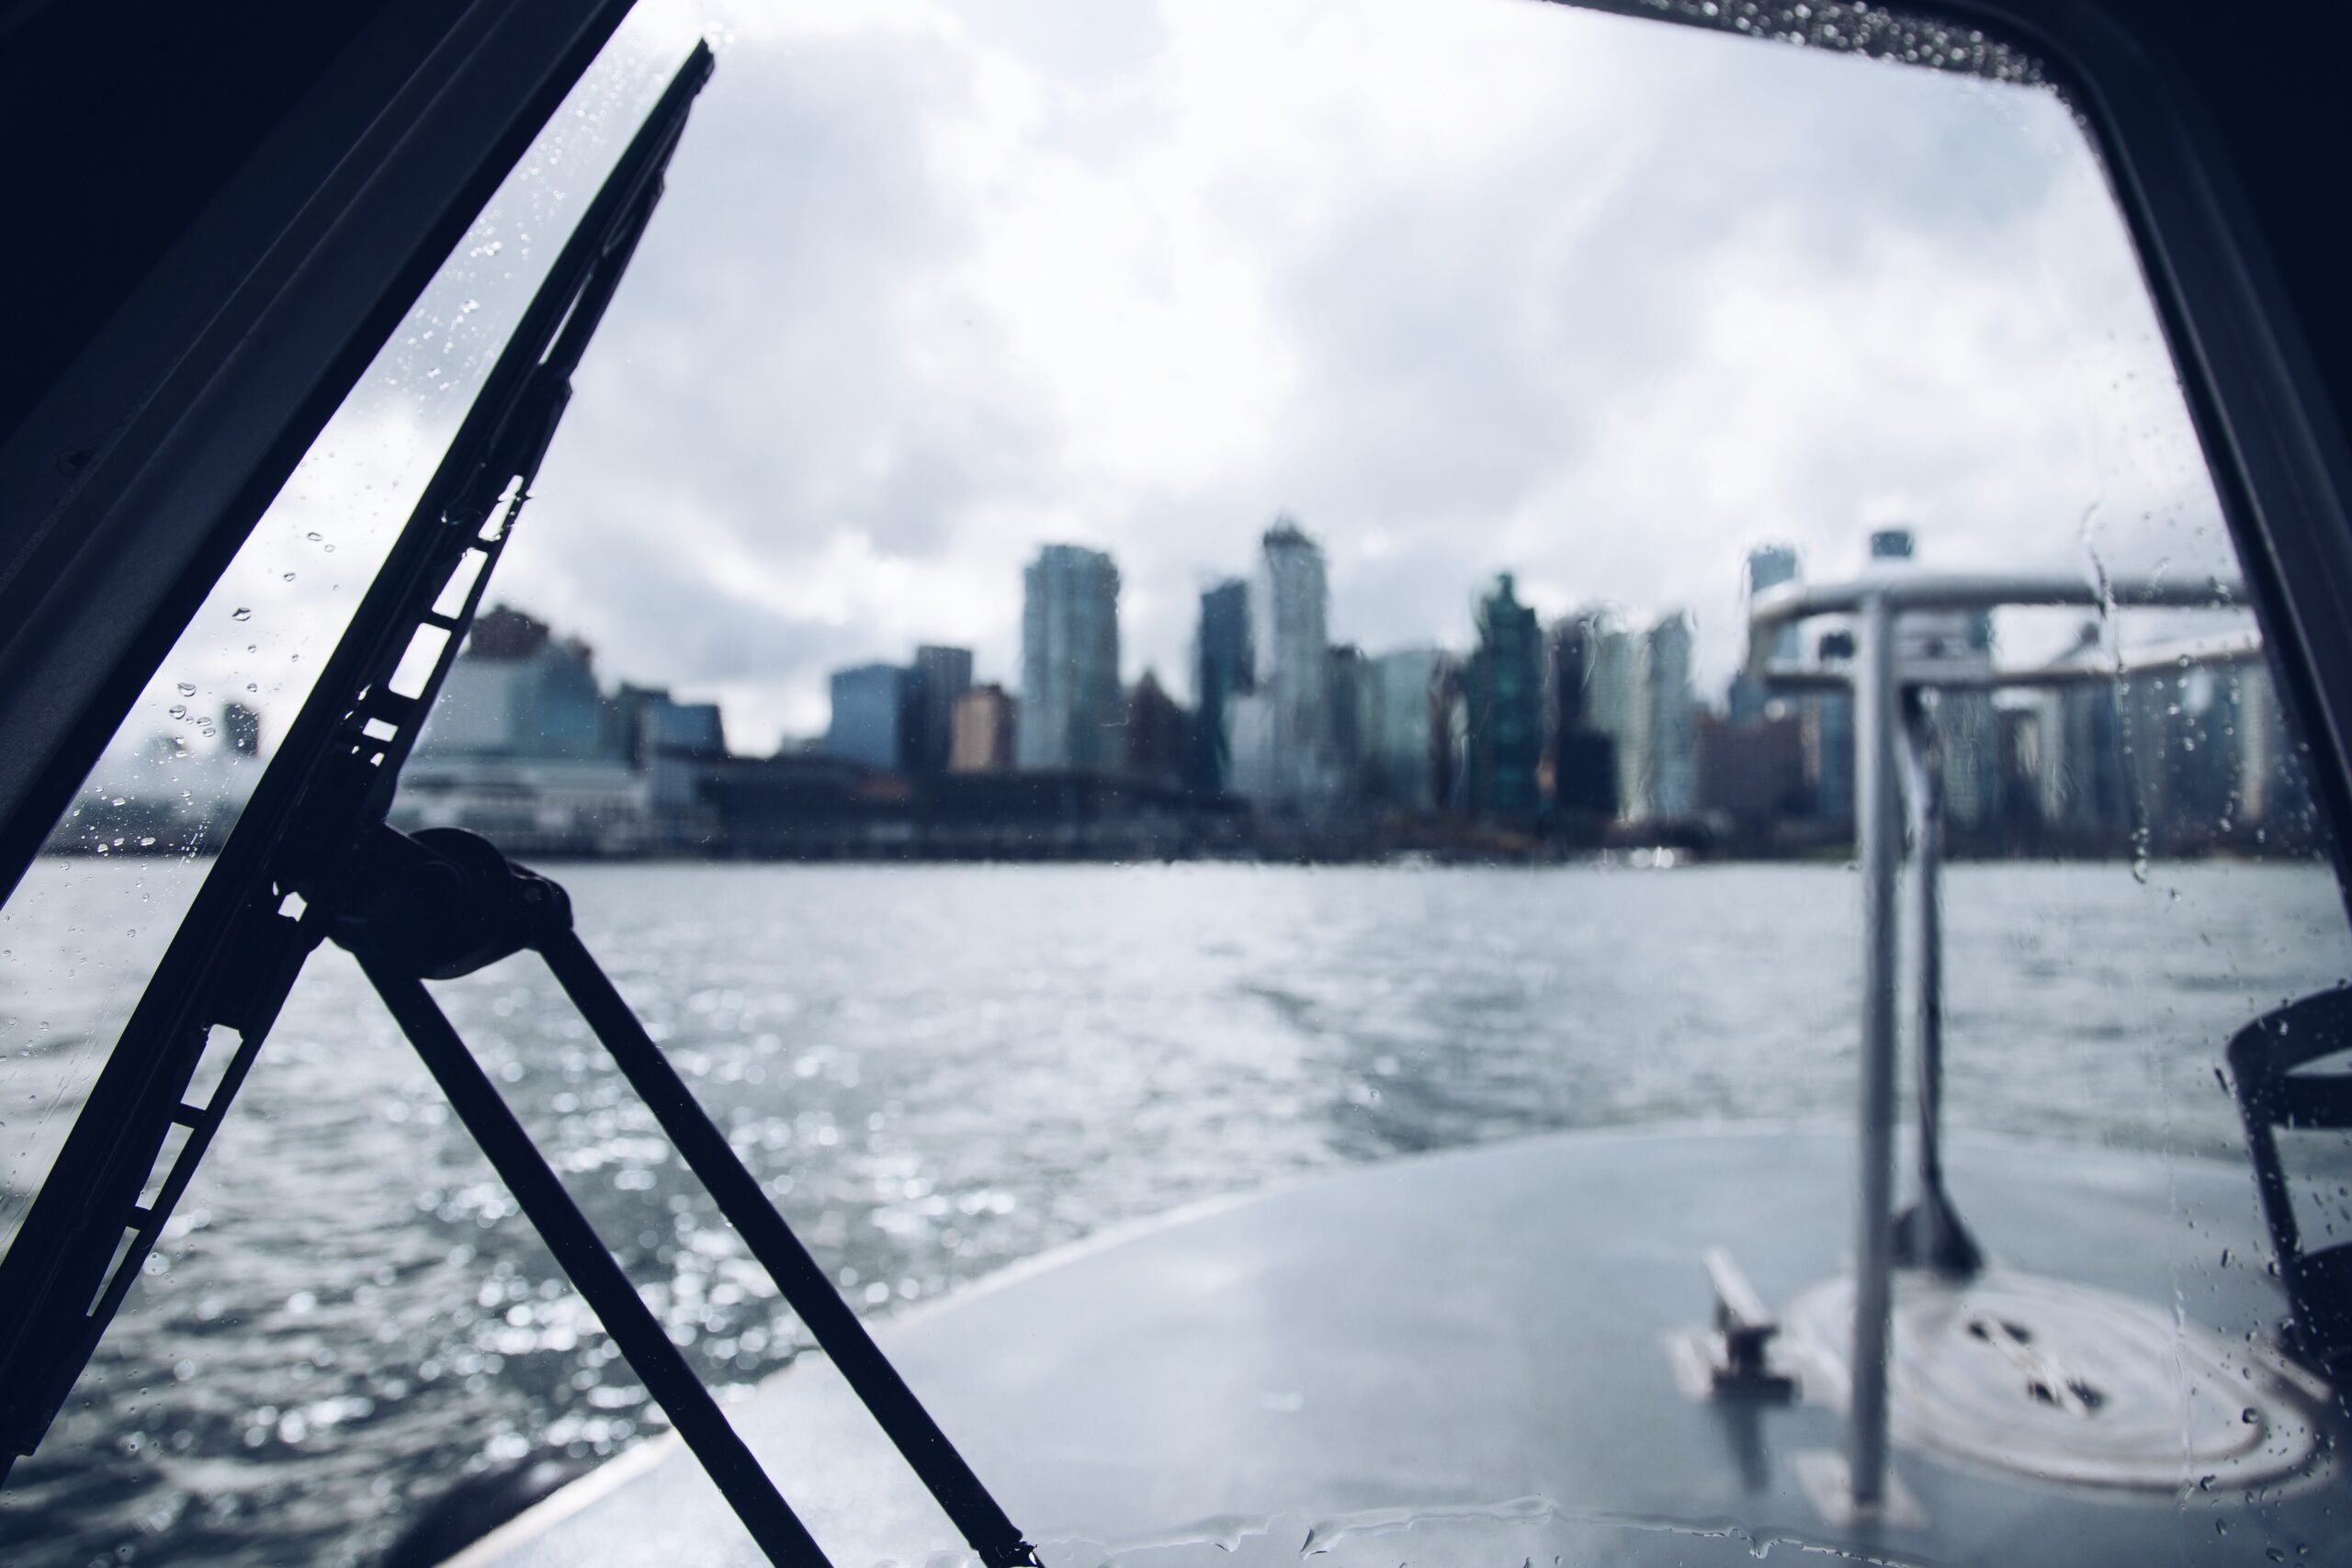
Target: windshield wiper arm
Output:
[(312, 856)]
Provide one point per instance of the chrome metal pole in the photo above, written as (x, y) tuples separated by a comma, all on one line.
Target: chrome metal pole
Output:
[(1877, 829), (1923, 799)]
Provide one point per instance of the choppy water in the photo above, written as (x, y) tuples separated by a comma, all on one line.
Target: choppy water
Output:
[(941, 1070)]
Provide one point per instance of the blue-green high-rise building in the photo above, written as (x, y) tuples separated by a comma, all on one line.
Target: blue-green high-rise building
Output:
[(1503, 689)]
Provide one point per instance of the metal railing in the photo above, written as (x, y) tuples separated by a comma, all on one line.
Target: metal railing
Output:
[(1896, 767)]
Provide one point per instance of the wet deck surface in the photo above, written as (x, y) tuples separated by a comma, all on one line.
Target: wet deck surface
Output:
[(1453, 1336)]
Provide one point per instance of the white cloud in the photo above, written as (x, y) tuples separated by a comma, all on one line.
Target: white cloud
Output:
[(1467, 284)]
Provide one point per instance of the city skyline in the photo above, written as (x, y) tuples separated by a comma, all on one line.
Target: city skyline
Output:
[(1585, 723), (1266, 636), (1575, 731)]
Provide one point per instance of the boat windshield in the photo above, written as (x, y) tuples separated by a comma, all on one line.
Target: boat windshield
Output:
[(1430, 780)]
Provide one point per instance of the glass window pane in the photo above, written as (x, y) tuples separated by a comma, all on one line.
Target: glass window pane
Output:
[(1136, 651)]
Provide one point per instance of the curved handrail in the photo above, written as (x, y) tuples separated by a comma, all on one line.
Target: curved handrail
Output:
[(1907, 588)]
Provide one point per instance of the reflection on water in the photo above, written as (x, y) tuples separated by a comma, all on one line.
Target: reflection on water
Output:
[(938, 1071)]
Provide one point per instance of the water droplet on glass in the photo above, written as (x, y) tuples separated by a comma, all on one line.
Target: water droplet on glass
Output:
[(241, 614)]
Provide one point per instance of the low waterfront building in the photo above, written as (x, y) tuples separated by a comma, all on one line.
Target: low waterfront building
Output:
[(984, 731), (869, 716), (1748, 772), (524, 749), (937, 683), (1158, 734), (530, 805), (517, 691)]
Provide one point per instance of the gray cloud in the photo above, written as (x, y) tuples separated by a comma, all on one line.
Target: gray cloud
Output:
[(1466, 286)]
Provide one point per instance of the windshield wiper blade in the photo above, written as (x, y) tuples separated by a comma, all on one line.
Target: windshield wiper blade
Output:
[(235, 956), (313, 856)]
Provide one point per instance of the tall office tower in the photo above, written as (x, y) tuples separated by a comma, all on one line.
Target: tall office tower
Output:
[(1222, 671), (2274, 789), (1584, 755), (1664, 714), (937, 680), (1827, 721), (2084, 786), (1449, 735), (1768, 566), (2181, 752), (1071, 703), (869, 723), (2155, 724), (1968, 733), (2023, 736), (1346, 687), (2208, 783), (1289, 607), (1611, 698), (2271, 791), (1396, 730), (1504, 690)]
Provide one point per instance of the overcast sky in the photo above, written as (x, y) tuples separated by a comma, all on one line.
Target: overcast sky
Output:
[(1463, 284)]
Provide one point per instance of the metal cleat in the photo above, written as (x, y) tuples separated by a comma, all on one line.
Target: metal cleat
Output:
[(1738, 1363)]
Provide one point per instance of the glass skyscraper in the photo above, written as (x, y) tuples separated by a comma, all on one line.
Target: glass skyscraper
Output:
[(1222, 671), (1071, 703), (1663, 715), (1290, 644), (1504, 687)]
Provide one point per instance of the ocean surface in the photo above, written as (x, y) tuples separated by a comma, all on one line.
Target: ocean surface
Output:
[(939, 1071)]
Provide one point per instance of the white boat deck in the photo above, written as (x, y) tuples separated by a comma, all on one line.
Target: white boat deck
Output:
[(1458, 1358)]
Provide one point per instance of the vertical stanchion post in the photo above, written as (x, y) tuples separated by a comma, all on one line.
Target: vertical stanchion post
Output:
[(1877, 827), (1924, 798)]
